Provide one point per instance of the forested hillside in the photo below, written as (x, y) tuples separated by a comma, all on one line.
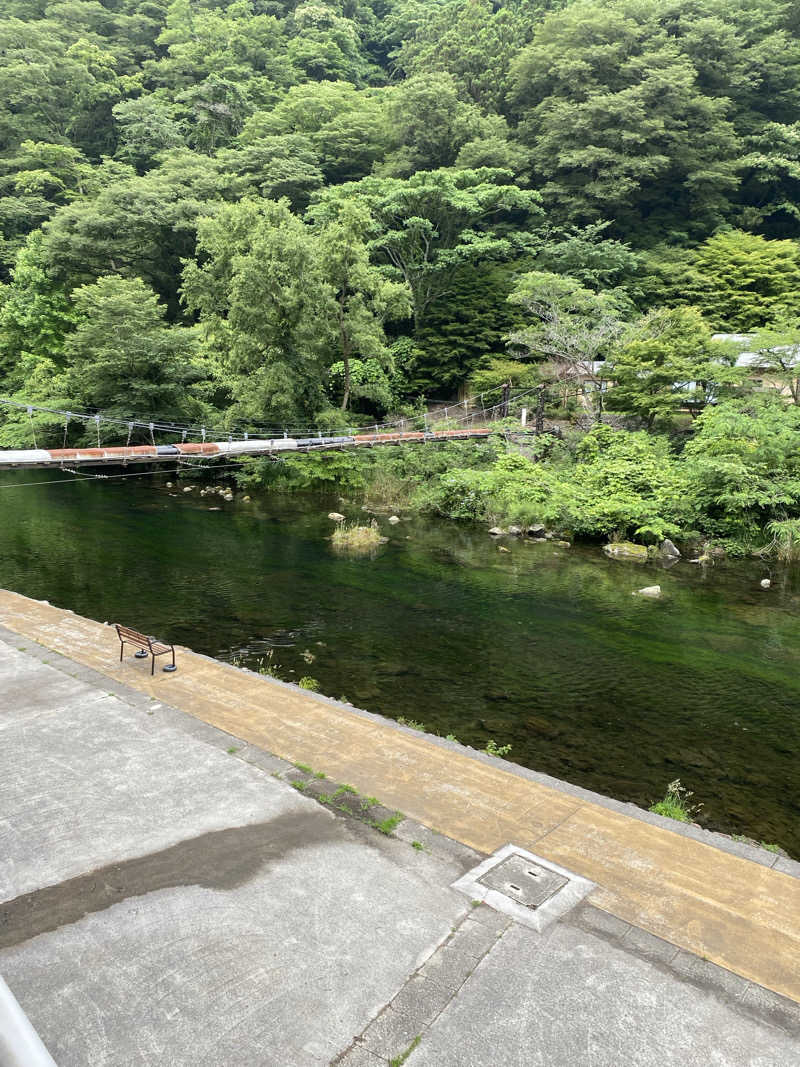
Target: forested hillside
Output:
[(261, 213)]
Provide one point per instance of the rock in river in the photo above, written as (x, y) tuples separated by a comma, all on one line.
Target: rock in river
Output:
[(649, 590), (626, 550), (336, 516), (393, 519), (765, 583), (668, 549), (515, 531), (496, 531)]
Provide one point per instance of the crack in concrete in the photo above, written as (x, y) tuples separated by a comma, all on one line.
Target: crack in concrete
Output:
[(219, 859)]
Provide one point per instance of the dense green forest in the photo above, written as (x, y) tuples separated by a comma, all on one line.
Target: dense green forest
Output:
[(267, 213)]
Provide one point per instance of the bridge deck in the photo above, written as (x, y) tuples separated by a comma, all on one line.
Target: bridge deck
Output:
[(113, 455)]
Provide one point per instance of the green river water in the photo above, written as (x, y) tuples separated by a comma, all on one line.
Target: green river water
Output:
[(541, 648)]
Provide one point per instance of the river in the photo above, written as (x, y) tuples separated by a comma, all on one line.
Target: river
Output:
[(542, 648)]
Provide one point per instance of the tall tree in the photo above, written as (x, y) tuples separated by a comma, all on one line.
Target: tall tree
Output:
[(364, 298), (435, 222), (265, 308)]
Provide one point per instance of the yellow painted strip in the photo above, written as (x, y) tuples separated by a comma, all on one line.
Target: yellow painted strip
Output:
[(729, 910)]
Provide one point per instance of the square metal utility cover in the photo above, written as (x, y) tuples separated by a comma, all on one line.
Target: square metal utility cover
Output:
[(531, 890), (523, 880)]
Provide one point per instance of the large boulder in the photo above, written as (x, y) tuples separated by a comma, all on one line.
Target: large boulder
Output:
[(668, 549), (537, 530), (649, 590), (496, 531), (515, 531), (626, 550)]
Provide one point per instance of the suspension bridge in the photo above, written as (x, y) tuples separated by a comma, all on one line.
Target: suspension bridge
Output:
[(468, 419)]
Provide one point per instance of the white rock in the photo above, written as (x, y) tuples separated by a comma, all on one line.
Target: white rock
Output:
[(188, 488), (335, 516), (765, 583), (168, 485), (496, 531), (246, 499), (649, 590), (393, 519), (228, 497), (515, 531)]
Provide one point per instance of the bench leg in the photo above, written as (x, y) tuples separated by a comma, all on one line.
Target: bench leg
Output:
[(152, 665), (121, 646)]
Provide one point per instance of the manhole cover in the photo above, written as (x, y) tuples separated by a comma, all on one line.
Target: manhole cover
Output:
[(523, 881)]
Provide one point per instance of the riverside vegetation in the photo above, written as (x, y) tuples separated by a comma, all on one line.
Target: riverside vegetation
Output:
[(260, 213)]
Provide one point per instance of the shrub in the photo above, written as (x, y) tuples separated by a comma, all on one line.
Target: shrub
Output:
[(675, 804)]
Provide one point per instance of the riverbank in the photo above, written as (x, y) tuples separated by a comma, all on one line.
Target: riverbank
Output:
[(541, 647), (673, 882)]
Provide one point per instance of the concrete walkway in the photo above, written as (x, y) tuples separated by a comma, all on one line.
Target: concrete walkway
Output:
[(740, 913)]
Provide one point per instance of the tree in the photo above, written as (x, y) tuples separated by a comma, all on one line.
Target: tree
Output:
[(741, 281), (275, 166), (473, 41), (777, 351), (124, 360), (743, 466), (363, 296), (572, 326), (617, 123), (265, 308), (432, 224), (136, 225), (146, 127), (36, 316), (666, 362), (429, 124)]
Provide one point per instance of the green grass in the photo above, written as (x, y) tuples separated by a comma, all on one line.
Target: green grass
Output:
[(357, 539), (345, 788), (232, 749), (299, 785), (675, 804), (389, 825), (412, 724), (770, 848), (398, 1061), (304, 767), (418, 845)]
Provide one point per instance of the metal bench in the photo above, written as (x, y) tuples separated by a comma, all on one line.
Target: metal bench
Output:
[(148, 646)]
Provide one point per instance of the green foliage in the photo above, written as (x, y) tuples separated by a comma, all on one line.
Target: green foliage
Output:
[(668, 362), (785, 534), (308, 215), (743, 467), (743, 281), (617, 483), (493, 749), (676, 803), (430, 225)]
